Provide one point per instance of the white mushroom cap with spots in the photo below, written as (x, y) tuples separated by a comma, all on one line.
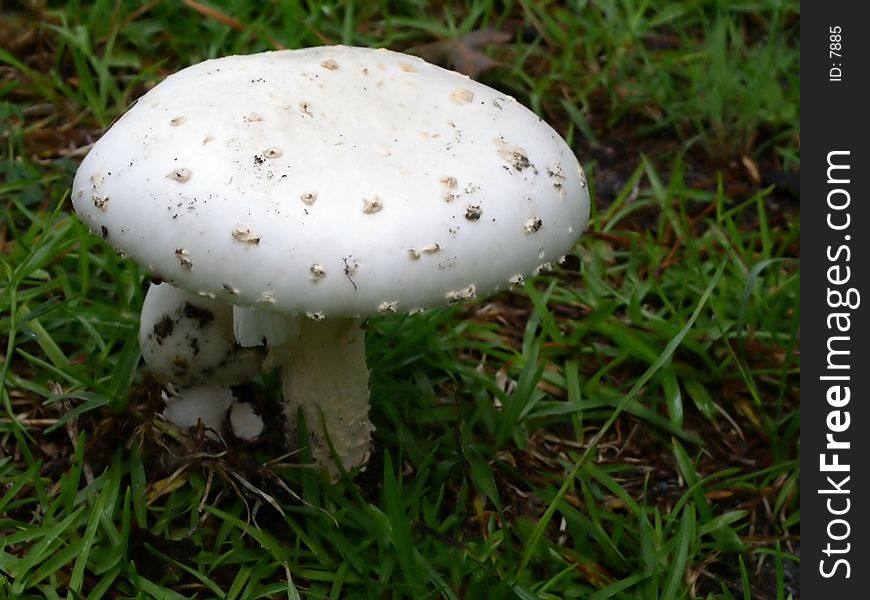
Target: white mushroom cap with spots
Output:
[(333, 181)]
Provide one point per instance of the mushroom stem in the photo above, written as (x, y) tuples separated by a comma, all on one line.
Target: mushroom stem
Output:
[(325, 379)]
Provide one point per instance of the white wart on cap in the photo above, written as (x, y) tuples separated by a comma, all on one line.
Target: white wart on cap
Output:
[(333, 181)]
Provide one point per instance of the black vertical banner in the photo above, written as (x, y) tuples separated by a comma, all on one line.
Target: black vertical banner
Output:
[(835, 300)]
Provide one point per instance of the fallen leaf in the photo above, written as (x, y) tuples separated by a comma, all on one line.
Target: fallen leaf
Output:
[(464, 54), (165, 486), (216, 15), (752, 169)]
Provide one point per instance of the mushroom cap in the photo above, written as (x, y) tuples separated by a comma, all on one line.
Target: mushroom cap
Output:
[(333, 181), (188, 340)]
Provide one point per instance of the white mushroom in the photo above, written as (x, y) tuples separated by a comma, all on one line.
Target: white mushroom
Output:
[(370, 205), (206, 404), (245, 423), (187, 339)]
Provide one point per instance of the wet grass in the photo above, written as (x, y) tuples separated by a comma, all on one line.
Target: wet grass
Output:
[(623, 427)]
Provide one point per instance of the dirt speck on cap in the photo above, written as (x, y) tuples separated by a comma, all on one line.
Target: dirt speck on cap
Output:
[(473, 213), (180, 175), (544, 268), (555, 173), (533, 224), (388, 307), (183, 256), (515, 156), (462, 295), (163, 328), (202, 316)]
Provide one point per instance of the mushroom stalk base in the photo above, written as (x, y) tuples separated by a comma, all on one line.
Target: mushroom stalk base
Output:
[(325, 381)]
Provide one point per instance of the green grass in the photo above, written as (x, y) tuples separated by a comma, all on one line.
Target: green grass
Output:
[(624, 427)]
